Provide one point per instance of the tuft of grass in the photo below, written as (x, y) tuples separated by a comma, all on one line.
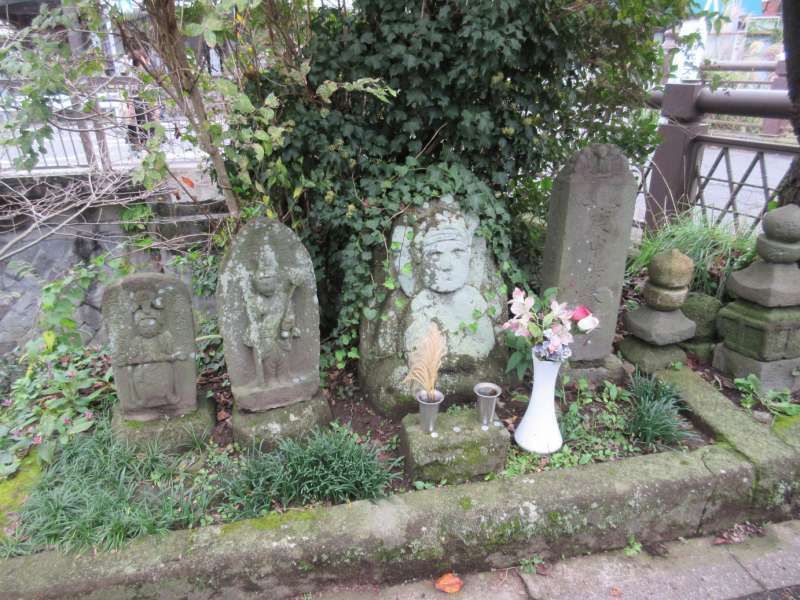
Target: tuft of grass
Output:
[(656, 419), (100, 492), (330, 466), (716, 250)]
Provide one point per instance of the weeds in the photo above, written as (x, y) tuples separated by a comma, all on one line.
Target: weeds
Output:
[(778, 402), (716, 250)]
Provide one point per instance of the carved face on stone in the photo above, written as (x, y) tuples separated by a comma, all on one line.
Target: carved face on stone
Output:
[(265, 278), (147, 315), (445, 257)]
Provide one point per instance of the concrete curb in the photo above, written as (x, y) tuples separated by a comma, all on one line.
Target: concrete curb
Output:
[(474, 526)]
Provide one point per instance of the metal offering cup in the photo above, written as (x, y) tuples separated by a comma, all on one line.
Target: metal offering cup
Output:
[(429, 409), (487, 394)]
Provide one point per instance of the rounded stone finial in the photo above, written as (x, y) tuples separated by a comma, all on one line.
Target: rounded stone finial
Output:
[(671, 269), (783, 224)]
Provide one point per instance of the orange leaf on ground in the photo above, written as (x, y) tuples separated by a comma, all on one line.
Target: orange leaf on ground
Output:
[(449, 583), (187, 181), (616, 592)]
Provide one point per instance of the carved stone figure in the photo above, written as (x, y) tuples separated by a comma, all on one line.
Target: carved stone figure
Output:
[(269, 318), (151, 331), (444, 274)]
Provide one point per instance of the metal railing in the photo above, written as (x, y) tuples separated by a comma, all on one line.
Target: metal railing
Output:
[(724, 179), (113, 138)]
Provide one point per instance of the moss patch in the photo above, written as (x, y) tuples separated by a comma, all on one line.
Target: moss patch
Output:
[(271, 521), (14, 491)]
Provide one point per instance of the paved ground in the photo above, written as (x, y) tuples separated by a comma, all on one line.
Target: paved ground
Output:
[(762, 568)]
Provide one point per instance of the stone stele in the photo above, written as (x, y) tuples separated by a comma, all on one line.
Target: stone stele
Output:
[(151, 332), (591, 211), (269, 318), (440, 271)]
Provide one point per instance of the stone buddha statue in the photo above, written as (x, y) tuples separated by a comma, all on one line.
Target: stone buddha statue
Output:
[(151, 333), (446, 276)]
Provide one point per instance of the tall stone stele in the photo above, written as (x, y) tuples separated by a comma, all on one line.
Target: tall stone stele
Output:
[(761, 329), (269, 319), (588, 234), (149, 321), (440, 271)]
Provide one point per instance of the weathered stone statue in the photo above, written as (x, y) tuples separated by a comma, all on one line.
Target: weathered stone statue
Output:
[(269, 319), (444, 274), (151, 332), (148, 317)]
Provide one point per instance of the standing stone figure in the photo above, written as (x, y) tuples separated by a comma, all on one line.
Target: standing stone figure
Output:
[(269, 318), (588, 234), (444, 274), (151, 331)]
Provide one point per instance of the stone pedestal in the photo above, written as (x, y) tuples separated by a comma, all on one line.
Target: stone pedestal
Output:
[(595, 372), (461, 450), (269, 427), (759, 332), (660, 326), (761, 329), (172, 434), (773, 375)]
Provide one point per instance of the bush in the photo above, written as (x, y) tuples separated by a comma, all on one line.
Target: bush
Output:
[(656, 420), (100, 492), (716, 250)]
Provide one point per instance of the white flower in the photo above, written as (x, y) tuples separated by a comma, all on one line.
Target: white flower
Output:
[(587, 324)]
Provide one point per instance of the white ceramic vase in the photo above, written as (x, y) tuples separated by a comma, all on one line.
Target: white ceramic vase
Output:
[(538, 431)]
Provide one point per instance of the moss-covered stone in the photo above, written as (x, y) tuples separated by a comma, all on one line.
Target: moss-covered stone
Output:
[(788, 429), (14, 491), (172, 434), (703, 351), (702, 309), (761, 333), (650, 358), (462, 449), (777, 486), (268, 428)]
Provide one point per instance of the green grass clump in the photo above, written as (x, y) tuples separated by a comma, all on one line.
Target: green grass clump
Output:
[(100, 492), (715, 249), (655, 420)]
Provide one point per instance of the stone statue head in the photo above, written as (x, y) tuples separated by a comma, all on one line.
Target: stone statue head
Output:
[(266, 280), (446, 252), (147, 313)]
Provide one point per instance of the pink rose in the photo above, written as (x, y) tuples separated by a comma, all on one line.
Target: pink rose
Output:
[(580, 312), (37, 439)]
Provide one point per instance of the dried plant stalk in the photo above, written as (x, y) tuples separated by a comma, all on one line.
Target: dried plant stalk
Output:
[(426, 360)]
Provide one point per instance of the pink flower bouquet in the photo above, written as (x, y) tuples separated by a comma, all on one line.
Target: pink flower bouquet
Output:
[(548, 328)]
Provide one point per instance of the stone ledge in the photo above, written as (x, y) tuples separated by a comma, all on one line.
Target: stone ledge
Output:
[(472, 526), (777, 464)]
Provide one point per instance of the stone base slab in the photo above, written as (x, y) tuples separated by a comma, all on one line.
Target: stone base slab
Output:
[(650, 358), (269, 427), (460, 450), (659, 327), (172, 434), (774, 375), (594, 371)]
